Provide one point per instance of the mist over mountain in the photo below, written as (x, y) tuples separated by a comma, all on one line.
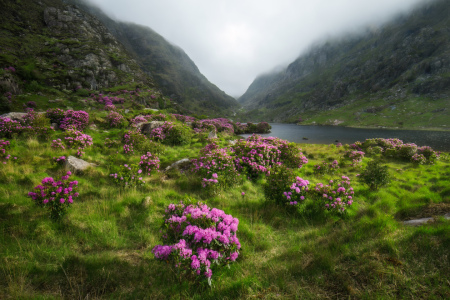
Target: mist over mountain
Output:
[(375, 78)]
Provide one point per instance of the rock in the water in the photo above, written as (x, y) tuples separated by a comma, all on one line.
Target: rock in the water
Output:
[(76, 165), (177, 164)]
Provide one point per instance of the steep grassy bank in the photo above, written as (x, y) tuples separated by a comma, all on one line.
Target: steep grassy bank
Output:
[(102, 247)]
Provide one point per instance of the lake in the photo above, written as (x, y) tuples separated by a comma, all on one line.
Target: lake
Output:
[(438, 140)]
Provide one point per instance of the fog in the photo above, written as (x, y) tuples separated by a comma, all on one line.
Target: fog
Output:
[(233, 41)]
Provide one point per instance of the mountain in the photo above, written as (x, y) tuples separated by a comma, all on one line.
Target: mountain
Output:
[(396, 75), (171, 68), (55, 46)]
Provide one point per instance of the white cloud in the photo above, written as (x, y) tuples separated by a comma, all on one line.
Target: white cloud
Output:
[(233, 41)]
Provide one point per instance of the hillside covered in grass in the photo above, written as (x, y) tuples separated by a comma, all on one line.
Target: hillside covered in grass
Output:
[(396, 75), (302, 223)]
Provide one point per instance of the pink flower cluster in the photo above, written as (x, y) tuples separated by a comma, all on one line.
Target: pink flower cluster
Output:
[(10, 69), (218, 161), (220, 124), (184, 118), (115, 119), (355, 156), (149, 163), (79, 119), (9, 127), (60, 160), (396, 148), (75, 139), (298, 191), (4, 144), (334, 196), (54, 195), (326, 168), (198, 239), (58, 144)]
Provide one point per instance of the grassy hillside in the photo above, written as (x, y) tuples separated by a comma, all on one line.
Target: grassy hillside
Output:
[(102, 248)]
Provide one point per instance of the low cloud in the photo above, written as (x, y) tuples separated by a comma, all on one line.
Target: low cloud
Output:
[(234, 41)]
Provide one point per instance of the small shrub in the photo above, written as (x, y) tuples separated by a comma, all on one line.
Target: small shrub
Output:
[(56, 196), (278, 181), (335, 196), (128, 176), (197, 240), (375, 175)]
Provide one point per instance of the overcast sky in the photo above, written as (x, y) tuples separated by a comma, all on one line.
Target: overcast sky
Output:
[(234, 41)]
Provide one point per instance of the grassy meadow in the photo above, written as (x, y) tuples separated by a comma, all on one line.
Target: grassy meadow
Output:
[(102, 248)]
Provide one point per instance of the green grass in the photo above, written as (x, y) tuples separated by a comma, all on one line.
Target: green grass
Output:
[(102, 248)]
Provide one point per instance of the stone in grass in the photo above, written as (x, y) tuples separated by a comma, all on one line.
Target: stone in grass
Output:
[(146, 128), (176, 165), (212, 135), (76, 165), (16, 116)]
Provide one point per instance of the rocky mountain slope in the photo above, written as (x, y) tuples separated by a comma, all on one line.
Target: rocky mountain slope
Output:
[(50, 46), (175, 73), (380, 78)]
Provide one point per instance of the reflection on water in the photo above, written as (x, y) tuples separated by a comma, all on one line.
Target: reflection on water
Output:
[(438, 140)]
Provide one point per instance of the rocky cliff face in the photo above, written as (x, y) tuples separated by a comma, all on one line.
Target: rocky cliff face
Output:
[(405, 59), (174, 72), (67, 45), (61, 47)]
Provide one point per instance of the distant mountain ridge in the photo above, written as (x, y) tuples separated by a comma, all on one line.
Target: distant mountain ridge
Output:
[(405, 60)]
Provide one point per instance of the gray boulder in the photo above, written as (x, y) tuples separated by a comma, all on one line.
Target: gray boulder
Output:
[(146, 128), (76, 165), (178, 164)]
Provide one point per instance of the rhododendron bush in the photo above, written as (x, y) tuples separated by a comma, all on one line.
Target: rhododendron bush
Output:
[(198, 240), (56, 196)]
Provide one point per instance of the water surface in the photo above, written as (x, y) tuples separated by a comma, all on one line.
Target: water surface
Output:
[(438, 140)]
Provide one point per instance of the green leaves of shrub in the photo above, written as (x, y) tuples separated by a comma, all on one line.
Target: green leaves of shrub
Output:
[(375, 175)]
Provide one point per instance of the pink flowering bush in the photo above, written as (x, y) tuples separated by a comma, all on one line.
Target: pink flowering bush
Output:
[(56, 115), (298, 192), (257, 155), (216, 168), (58, 144), (59, 160), (198, 240), (326, 168), (116, 120), (397, 149), (149, 163), (172, 134), (355, 156), (335, 196), (4, 156), (75, 139), (128, 176), (133, 140), (55, 196), (35, 125), (79, 119)]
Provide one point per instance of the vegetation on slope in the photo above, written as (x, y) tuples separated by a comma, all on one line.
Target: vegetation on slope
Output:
[(102, 247)]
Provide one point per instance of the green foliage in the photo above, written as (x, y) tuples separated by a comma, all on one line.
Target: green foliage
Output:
[(375, 175), (179, 134), (279, 181)]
